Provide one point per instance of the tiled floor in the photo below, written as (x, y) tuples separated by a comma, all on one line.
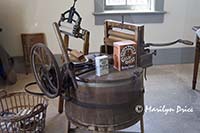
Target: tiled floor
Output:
[(168, 86)]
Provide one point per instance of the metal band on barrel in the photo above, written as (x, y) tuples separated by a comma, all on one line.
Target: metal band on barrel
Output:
[(102, 106)]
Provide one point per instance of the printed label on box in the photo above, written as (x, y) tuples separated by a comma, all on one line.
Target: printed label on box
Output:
[(125, 55)]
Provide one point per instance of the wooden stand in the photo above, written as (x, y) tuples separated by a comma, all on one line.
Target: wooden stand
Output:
[(76, 130), (196, 61)]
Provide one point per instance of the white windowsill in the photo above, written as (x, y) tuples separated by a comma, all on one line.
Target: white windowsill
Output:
[(125, 12)]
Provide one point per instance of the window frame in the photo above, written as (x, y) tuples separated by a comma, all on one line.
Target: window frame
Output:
[(154, 16), (124, 7)]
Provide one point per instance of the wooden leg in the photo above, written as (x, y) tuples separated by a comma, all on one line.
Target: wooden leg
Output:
[(26, 69), (106, 48), (196, 66), (60, 105), (142, 125), (68, 126)]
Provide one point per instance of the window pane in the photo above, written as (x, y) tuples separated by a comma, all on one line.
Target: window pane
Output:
[(137, 2), (115, 2)]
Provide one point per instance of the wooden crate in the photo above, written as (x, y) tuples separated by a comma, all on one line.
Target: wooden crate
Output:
[(28, 40)]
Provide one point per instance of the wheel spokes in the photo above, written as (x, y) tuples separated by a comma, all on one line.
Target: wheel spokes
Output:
[(38, 56), (46, 70)]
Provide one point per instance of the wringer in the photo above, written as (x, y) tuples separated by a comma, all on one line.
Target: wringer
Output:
[(97, 103)]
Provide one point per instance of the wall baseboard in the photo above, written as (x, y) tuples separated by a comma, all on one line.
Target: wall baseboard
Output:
[(20, 66), (164, 57), (174, 56)]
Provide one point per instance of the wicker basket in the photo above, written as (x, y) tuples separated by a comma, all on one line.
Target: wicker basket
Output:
[(22, 113)]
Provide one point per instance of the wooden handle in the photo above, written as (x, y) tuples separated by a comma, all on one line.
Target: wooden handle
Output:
[(118, 24), (61, 42), (86, 43)]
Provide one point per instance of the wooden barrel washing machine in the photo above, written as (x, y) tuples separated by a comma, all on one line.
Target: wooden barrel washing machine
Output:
[(99, 104)]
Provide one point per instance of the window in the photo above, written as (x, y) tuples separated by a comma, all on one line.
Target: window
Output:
[(133, 11), (136, 5)]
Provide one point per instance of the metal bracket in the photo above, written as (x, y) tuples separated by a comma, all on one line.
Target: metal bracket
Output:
[(146, 60)]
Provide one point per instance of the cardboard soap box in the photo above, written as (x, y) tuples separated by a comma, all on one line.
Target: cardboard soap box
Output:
[(102, 65), (125, 55)]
